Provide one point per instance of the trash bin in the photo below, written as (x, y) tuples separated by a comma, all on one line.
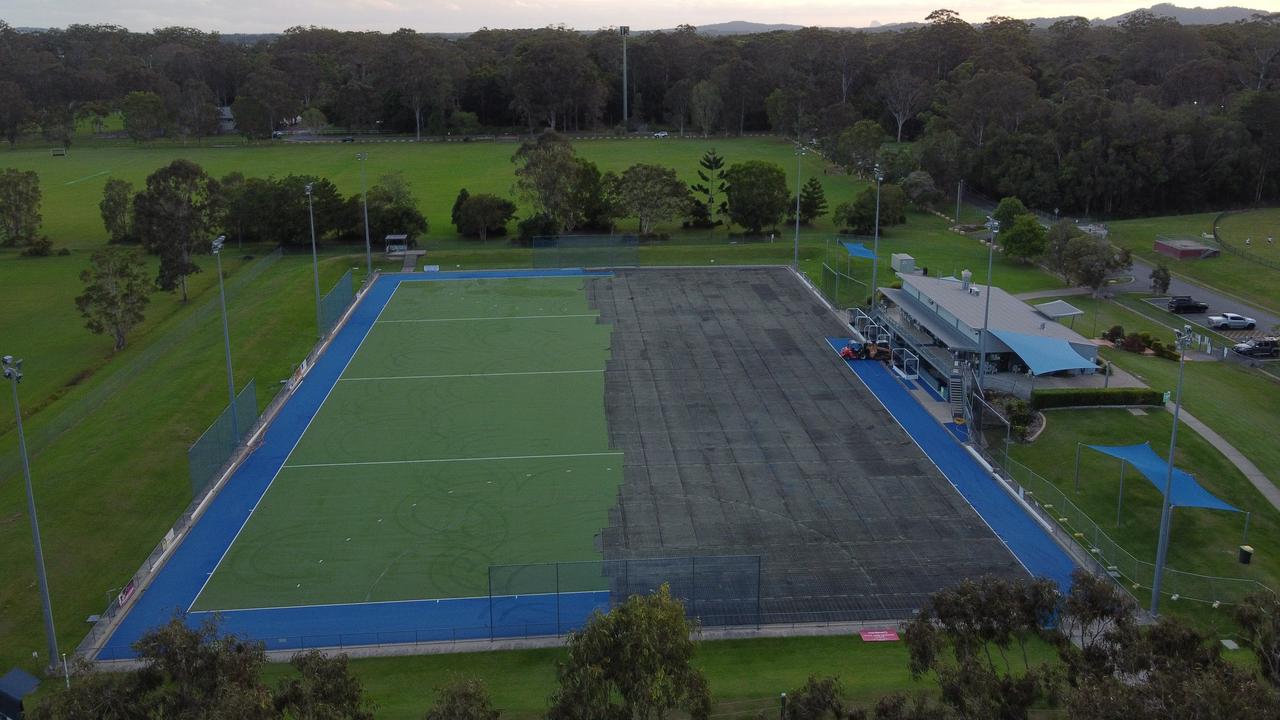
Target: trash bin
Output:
[(1246, 554)]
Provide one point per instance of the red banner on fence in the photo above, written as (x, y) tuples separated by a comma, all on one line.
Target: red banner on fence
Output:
[(878, 635)]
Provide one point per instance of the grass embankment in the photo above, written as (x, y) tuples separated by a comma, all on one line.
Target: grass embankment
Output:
[(1229, 273)]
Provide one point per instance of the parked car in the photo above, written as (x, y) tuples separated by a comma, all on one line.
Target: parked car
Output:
[(1186, 304), (277, 134), (348, 138), (1231, 321), (1259, 347), (661, 134)]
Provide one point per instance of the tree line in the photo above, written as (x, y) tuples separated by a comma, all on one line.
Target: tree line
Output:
[(994, 648), (1146, 117)]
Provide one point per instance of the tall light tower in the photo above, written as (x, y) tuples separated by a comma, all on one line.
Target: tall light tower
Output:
[(364, 198), (315, 260), (624, 31), (875, 253), (986, 310), (1183, 339), (795, 256), (226, 341), (13, 373)]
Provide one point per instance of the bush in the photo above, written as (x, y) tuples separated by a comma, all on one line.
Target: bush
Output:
[(42, 247), (1115, 334), (1134, 343), (1020, 415), (1088, 397)]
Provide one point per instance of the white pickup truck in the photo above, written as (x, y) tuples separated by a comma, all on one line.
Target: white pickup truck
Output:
[(1231, 321)]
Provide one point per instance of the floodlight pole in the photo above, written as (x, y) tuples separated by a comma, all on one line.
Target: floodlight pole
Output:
[(624, 30), (1183, 340), (986, 311), (364, 198), (795, 255), (875, 255), (13, 373), (315, 260), (226, 342)]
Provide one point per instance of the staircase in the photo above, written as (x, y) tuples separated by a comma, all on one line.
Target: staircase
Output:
[(955, 394)]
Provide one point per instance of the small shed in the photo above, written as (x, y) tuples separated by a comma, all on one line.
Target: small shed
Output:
[(14, 686), (1183, 248), (396, 245)]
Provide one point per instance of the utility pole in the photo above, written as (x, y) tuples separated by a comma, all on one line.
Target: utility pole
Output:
[(875, 253), (315, 260), (624, 30), (795, 256), (986, 311), (959, 194), (13, 373), (364, 196)]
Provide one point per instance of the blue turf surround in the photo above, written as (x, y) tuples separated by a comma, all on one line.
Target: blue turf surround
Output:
[(1024, 537), (179, 581)]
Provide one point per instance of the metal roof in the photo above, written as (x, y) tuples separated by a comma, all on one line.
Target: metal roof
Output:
[(1007, 311), (951, 336), (1058, 309)]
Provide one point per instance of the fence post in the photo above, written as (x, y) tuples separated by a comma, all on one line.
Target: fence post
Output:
[(693, 583), (1120, 495), (1077, 468), (557, 599), (491, 603)]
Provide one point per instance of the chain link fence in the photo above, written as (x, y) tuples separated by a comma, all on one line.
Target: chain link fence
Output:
[(585, 251), (335, 303), (211, 452)]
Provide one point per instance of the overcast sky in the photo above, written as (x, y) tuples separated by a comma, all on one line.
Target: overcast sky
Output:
[(465, 15)]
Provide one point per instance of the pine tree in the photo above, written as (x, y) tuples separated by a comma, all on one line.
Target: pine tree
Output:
[(456, 213), (710, 192), (813, 201)]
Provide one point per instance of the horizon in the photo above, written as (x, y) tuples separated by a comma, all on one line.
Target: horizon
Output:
[(447, 16)]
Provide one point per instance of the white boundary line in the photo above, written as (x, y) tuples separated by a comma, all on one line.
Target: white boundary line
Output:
[(471, 375), (454, 460), (295, 446), (392, 602), (499, 317)]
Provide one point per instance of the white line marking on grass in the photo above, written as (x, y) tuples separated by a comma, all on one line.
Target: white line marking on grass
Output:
[(301, 435), (454, 460), (86, 177), (391, 602), (470, 375), (499, 317)]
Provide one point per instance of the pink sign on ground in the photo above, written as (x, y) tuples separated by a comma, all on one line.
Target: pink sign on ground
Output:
[(878, 635)]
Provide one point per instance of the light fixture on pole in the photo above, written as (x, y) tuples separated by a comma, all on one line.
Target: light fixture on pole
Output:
[(315, 260), (364, 198), (875, 253), (226, 342), (13, 373), (795, 255), (986, 310), (1183, 339), (624, 31)]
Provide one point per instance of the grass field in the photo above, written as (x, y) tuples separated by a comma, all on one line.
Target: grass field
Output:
[(1253, 228), (1230, 273), (1202, 541), (467, 431)]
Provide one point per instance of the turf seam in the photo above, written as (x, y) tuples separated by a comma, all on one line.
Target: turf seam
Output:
[(301, 435), (453, 460)]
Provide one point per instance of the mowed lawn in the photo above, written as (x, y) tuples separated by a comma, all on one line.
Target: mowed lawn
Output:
[(1229, 273), (1202, 541)]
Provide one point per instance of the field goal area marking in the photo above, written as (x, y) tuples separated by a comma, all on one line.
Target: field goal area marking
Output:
[(476, 375), (455, 460), (499, 317)]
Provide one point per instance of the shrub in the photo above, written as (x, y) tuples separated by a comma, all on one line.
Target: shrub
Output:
[(1134, 343), (1088, 397), (1115, 334), (1020, 415)]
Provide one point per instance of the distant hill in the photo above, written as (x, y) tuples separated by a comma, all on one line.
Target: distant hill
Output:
[(742, 27), (1195, 15)]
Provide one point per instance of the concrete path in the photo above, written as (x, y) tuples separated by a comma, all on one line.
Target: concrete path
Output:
[(1059, 293), (1246, 466)]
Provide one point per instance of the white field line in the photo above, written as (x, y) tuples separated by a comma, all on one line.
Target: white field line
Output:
[(295, 447), (86, 177), (393, 602), (475, 375), (499, 317), (455, 460)]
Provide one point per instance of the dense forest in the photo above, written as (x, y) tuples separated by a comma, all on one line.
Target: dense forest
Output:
[(1147, 117)]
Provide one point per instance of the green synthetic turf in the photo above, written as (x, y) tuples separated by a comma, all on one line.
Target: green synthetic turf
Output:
[(467, 431)]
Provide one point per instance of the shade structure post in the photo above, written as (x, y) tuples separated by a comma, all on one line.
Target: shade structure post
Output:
[(1120, 495), (1245, 540)]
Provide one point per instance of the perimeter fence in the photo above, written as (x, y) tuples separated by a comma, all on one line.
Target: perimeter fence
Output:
[(335, 303), (1236, 249), (586, 251), (211, 452), (845, 278)]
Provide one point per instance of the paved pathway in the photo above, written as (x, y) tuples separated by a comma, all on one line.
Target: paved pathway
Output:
[(1059, 293), (1246, 466)]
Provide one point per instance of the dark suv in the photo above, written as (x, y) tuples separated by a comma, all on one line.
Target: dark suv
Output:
[(1185, 304), (1260, 347)]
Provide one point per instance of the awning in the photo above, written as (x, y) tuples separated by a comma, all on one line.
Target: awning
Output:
[(1058, 309), (1044, 355), (1184, 492), (858, 250), (17, 684)]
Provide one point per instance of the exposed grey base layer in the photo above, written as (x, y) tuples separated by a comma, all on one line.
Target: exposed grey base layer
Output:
[(744, 434)]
